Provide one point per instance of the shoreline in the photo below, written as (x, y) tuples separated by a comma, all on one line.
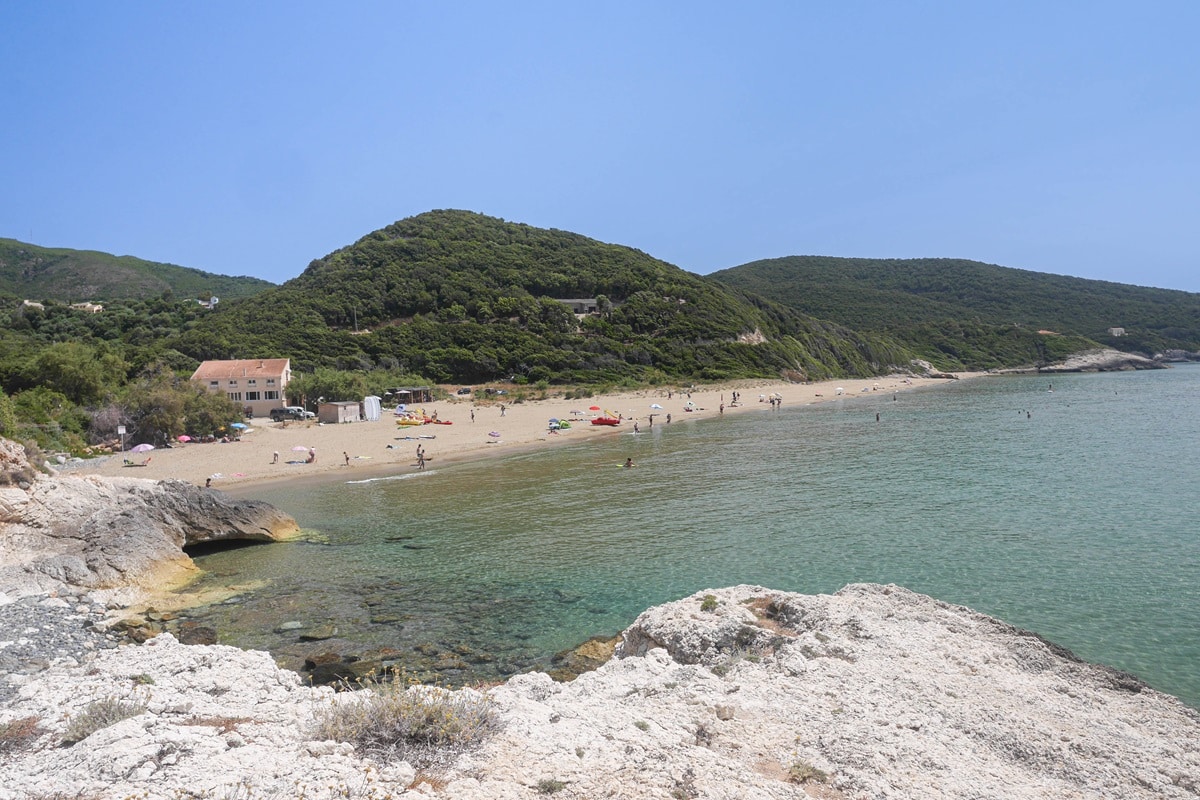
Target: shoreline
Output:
[(380, 449)]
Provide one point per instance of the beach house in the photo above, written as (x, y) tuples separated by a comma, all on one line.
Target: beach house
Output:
[(257, 384)]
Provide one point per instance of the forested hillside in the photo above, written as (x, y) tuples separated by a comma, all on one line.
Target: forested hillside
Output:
[(966, 314), (43, 273), (459, 296)]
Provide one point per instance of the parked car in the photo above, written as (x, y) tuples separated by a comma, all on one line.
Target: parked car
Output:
[(464, 390), (290, 412)]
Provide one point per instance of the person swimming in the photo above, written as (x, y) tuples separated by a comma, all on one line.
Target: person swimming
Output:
[(628, 463)]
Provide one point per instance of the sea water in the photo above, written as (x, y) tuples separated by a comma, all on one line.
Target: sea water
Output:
[(1062, 504)]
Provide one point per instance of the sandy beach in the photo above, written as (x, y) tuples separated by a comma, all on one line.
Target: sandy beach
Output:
[(383, 447)]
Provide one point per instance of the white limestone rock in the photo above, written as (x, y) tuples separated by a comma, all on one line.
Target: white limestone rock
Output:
[(873, 692)]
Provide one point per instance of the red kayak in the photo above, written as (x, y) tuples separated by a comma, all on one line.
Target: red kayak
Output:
[(606, 421)]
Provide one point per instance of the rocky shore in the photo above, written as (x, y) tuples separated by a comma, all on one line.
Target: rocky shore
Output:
[(874, 692)]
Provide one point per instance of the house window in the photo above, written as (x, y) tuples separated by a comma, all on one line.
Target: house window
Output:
[(252, 382), (251, 396), (270, 381), (237, 396), (270, 395), (233, 383), (214, 384)]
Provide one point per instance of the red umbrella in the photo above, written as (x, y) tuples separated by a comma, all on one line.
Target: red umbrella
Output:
[(593, 408)]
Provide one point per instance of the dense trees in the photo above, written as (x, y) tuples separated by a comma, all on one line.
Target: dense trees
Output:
[(964, 314)]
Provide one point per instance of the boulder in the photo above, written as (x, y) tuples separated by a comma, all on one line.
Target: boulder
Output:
[(69, 532)]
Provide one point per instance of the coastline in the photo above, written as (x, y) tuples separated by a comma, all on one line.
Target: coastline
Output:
[(382, 448)]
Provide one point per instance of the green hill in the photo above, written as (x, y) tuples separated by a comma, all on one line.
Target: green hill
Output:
[(966, 314), (459, 296), (44, 273)]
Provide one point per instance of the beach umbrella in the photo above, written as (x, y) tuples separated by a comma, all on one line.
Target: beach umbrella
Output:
[(554, 420), (593, 408), (494, 434), (141, 448), (576, 411), (300, 449), (183, 438), (655, 405), (239, 425)]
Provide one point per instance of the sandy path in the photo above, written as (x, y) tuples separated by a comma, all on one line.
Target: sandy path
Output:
[(377, 448)]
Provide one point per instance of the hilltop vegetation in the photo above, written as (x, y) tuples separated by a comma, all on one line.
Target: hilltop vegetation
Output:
[(45, 273), (458, 296), (966, 314), (441, 297)]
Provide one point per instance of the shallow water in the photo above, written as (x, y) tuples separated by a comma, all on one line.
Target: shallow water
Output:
[(1068, 512)]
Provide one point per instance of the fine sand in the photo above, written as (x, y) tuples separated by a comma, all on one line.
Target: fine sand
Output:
[(383, 447)]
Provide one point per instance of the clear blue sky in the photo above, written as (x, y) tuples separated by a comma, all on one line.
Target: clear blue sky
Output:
[(250, 138)]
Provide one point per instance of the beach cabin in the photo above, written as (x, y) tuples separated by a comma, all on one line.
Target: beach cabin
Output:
[(341, 411), (407, 395)]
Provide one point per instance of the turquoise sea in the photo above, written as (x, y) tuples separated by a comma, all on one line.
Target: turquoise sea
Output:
[(1064, 504)]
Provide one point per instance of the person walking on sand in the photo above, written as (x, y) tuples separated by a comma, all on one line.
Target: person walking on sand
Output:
[(502, 409), (275, 457), (472, 415), (421, 461), (346, 456)]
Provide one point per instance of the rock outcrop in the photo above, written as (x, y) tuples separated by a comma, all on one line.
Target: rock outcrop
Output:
[(66, 533), (744, 692), (1105, 360)]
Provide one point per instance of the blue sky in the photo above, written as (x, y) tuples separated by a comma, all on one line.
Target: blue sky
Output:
[(251, 138)]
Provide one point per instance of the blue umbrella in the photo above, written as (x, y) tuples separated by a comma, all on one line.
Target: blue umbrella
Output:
[(238, 425)]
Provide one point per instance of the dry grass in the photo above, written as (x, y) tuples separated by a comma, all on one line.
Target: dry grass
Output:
[(99, 715), (428, 726), (19, 734)]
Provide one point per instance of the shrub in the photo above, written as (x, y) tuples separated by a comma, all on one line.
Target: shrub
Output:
[(424, 725), (708, 603), (804, 772), (99, 715), (550, 786), (18, 734)]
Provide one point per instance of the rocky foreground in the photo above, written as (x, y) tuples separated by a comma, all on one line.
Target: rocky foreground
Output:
[(744, 692)]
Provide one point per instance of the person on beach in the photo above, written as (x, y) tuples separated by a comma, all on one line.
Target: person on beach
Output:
[(636, 429), (668, 419), (502, 409), (208, 483), (312, 456), (472, 415), (420, 461), (275, 457), (346, 456)]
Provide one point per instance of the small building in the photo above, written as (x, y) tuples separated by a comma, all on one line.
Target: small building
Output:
[(340, 411), (1116, 331), (410, 394), (91, 308), (257, 384), (587, 305)]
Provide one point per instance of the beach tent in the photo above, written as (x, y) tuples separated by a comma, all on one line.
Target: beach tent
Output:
[(372, 408)]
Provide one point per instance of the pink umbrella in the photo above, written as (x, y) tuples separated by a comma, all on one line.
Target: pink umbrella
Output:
[(141, 448), (300, 448), (183, 438)]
